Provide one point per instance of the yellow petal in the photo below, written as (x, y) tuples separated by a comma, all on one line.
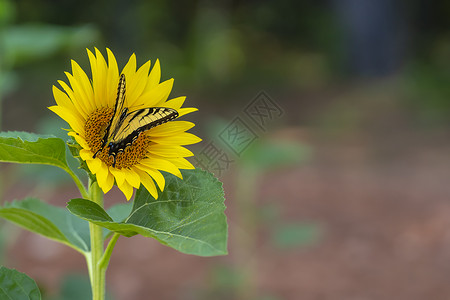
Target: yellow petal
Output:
[(112, 77), (136, 87), (84, 85), (98, 82), (175, 103), (119, 175), (79, 139), (94, 165), (132, 177), (78, 93), (94, 72), (154, 173), (130, 68), (162, 164), (104, 178), (127, 189), (181, 163), (148, 183), (62, 99), (157, 95), (186, 110), (107, 98), (184, 138), (154, 78), (79, 108), (169, 150), (92, 62), (68, 116), (166, 87), (86, 154), (170, 128)]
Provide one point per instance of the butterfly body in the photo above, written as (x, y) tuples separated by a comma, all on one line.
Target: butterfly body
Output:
[(125, 127)]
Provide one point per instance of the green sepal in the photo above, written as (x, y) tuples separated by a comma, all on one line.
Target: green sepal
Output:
[(74, 149)]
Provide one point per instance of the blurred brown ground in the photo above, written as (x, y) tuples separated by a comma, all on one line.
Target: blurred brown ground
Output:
[(379, 190)]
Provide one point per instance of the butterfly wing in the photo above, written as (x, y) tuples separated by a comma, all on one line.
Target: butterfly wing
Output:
[(124, 127), (119, 113), (136, 122)]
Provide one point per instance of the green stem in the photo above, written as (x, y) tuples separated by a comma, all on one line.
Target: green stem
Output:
[(97, 272), (107, 255), (80, 185)]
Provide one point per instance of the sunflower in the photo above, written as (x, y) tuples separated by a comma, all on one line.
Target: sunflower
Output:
[(88, 106)]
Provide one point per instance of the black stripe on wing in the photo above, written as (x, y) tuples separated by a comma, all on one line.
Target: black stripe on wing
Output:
[(137, 122)]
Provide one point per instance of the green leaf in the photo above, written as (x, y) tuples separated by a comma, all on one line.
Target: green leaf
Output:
[(188, 216), (53, 222), (29, 148), (120, 211), (89, 210), (17, 286)]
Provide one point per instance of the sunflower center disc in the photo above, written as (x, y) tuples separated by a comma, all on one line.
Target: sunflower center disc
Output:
[(95, 130)]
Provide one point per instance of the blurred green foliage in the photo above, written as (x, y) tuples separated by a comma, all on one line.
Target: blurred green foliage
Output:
[(427, 91), (74, 287), (216, 50), (204, 44), (265, 155), (24, 44), (293, 235)]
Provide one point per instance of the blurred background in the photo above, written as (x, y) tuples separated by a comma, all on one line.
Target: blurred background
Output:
[(338, 187)]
